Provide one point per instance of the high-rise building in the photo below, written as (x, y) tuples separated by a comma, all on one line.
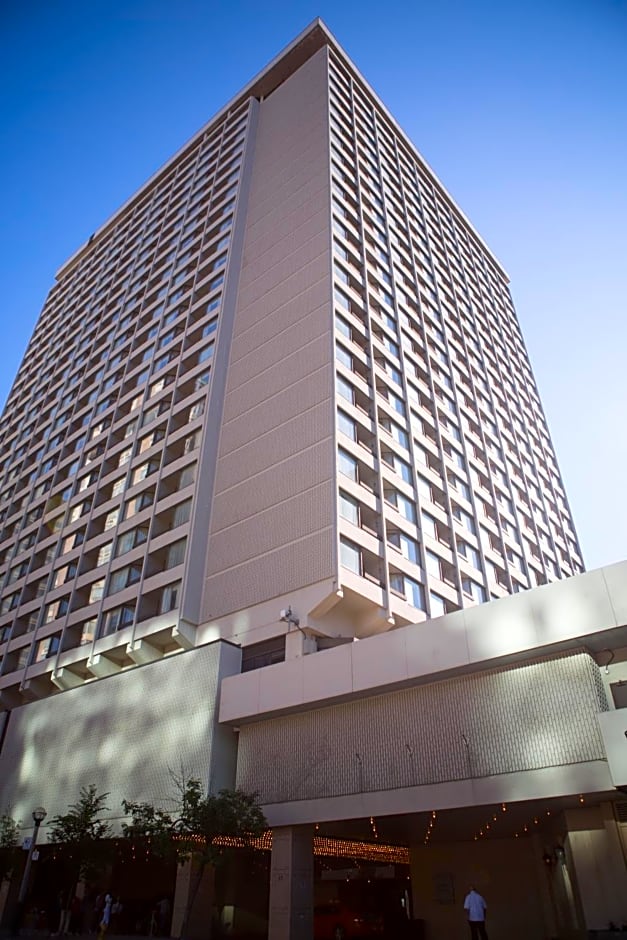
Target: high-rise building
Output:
[(281, 402), (288, 365)]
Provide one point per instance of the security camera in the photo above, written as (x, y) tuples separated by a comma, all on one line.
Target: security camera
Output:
[(288, 617)]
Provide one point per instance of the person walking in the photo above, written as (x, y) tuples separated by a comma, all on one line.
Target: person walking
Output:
[(106, 916), (476, 907)]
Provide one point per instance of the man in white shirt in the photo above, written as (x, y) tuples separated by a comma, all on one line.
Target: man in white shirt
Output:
[(476, 908)]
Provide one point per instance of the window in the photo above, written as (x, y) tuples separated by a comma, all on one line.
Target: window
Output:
[(175, 554), (344, 357), (125, 456), (205, 353), (143, 471), (405, 506), (429, 526), (130, 540), (465, 518), (343, 327), (350, 556), (79, 510), (407, 546), (170, 598), (345, 389), (118, 486), (347, 465), (10, 603), (72, 541), (124, 577), (196, 410), (64, 574), (438, 605), (56, 609), (470, 554), (407, 588), (433, 565), (474, 590), (349, 508), (181, 513), (140, 502), (104, 554), (395, 431), (186, 476), (118, 618), (111, 519), (88, 632), (96, 591), (46, 648), (346, 425)]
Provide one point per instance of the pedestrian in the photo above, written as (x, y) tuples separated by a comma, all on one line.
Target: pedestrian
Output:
[(476, 907), (106, 916), (116, 915)]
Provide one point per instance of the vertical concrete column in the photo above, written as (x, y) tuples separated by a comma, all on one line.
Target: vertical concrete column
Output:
[(599, 865), (298, 645), (291, 884), (200, 916)]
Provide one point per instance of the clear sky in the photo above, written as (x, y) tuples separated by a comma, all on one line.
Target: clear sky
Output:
[(520, 108)]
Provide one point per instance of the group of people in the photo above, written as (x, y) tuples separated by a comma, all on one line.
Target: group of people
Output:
[(80, 916)]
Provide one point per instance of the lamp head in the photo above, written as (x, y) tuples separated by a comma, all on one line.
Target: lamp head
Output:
[(39, 814)]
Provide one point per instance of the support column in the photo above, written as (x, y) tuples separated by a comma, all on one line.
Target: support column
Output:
[(594, 846), (291, 884), (200, 917)]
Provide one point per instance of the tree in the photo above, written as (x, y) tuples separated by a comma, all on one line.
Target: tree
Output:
[(80, 835), (197, 828), (9, 831)]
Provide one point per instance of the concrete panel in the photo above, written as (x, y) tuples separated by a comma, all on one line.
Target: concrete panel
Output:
[(247, 694), (448, 795), (256, 535), (381, 660), (616, 581), (124, 733), (283, 687), (437, 646), (613, 726), (577, 605), (497, 629), (256, 494), (279, 573), (328, 673), (279, 395), (530, 717), (278, 444)]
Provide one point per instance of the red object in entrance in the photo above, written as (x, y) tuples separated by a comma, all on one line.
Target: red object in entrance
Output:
[(336, 921)]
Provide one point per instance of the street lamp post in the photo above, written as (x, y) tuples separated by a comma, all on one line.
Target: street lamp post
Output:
[(39, 814)]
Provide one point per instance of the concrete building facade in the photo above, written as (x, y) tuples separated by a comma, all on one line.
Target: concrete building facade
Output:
[(280, 403)]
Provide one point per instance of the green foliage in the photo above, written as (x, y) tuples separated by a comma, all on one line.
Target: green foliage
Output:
[(199, 819), (191, 831), (156, 826), (9, 836), (81, 833)]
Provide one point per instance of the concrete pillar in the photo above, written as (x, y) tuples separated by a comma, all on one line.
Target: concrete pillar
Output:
[(291, 884), (594, 847), (298, 644), (200, 918), (4, 894)]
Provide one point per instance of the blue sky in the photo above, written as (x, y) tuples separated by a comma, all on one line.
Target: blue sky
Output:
[(521, 110)]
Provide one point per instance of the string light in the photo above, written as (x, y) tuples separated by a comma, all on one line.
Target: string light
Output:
[(430, 826)]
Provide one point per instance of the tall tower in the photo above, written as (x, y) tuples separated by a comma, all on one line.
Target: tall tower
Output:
[(286, 373)]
